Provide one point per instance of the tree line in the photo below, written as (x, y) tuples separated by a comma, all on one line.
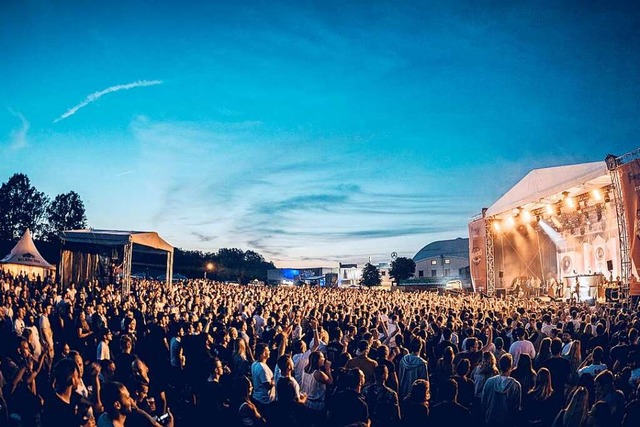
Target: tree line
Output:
[(23, 206)]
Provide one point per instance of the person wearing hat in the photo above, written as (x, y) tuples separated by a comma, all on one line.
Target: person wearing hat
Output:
[(363, 362), (520, 346)]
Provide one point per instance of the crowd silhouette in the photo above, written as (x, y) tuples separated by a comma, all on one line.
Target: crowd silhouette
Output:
[(203, 352)]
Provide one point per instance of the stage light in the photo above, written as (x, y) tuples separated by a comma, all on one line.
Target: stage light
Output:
[(550, 209), (599, 214), (558, 209), (607, 198), (597, 195), (538, 218), (496, 226), (570, 202), (526, 216), (510, 222)]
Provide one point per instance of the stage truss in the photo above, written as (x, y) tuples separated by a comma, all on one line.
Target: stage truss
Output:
[(613, 164)]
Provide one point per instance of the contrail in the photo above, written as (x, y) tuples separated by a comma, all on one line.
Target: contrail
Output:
[(124, 173), (94, 96)]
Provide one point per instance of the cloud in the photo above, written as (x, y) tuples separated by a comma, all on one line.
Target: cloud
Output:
[(18, 137), (96, 95), (313, 199)]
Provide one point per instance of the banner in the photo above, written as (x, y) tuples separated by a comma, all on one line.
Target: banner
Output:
[(630, 186), (477, 255)]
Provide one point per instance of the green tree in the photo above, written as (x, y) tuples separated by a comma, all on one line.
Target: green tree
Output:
[(370, 276), (22, 206), (66, 212), (402, 268)]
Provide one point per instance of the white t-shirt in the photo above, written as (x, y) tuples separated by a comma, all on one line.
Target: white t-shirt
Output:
[(300, 361), (522, 347), (103, 351), (261, 374), (592, 370)]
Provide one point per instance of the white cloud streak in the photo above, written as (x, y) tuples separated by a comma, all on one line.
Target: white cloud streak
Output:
[(96, 95), (18, 137)]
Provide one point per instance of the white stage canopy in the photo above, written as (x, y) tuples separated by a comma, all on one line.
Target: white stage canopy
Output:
[(546, 185)]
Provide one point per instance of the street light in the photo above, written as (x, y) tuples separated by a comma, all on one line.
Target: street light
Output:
[(210, 267)]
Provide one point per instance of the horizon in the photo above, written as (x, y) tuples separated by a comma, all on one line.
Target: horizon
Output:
[(310, 133)]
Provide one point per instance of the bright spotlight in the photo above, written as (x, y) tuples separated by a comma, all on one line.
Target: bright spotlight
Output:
[(597, 195), (570, 202), (510, 222), (526, 216), (496, 226), (549, 209)]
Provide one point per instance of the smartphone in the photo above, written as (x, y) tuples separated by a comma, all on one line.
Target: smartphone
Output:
[(163, 419)]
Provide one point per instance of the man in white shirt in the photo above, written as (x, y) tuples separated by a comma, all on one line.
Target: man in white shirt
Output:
[(103, 352), (520, 346), (596, 365), (18, 323), (46, 333), (264, 390)]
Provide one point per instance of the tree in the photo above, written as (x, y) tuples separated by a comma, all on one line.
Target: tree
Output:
[(370, 276), (22, 206), (402, 268), (66, 212)]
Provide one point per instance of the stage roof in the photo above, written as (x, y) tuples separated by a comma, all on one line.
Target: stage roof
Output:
[(150, 239), (542, 186)]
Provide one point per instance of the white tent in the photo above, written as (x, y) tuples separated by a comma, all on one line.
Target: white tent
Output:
[(541, 186), (24, 257)]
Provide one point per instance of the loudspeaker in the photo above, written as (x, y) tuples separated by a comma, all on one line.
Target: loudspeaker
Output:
[(501, 274), (609, 265)]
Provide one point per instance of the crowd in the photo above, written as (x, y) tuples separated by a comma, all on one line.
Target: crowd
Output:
[(205, 352)]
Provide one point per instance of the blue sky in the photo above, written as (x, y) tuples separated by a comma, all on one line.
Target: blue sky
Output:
[(310, 132)]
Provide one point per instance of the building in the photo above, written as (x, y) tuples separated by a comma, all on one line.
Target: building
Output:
[(441, 263), (351, 274), (346, 275)]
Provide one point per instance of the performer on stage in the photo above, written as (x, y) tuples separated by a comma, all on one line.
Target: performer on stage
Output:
[(552, 285), (559, 289), (576, 292)]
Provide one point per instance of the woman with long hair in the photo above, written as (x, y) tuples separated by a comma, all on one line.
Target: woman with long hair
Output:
[(288, 410), (544, 353), (241, 359), (576, 412), (539, 407), (524, 373), (84, 337), (244, 409), (575, 360), (444, 367), (316, 376), (415, 407), (486, 369)]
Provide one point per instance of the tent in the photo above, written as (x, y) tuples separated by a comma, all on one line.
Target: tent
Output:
[(547, 185), (91, 254), (24, 257), (547, 227)]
